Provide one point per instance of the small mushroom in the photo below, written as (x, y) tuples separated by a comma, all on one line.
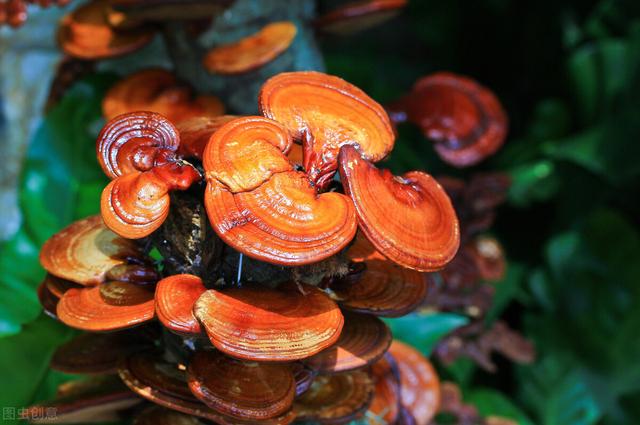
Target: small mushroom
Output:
[(364, 339), (264, 324), (196, 132), (242, 389), (357, 16), (92, 353), (385, 405), (158, 90), (335, 399), (86, 34), (419, 383), (258, 205), (251, 52), (108, 307), (85, 251), (489, 257), (422, 233), (324, 112), (464, 119), (174, 299)]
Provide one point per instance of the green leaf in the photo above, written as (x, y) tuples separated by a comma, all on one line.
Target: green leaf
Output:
[(423, 331), (493, 403)]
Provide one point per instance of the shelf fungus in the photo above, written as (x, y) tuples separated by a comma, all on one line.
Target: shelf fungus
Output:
[(422, 233), (419, 383), (138, 151), (86, 34), (158, 90), (385, 405), (324, 112), (264, 324), (242, 389), (251, 52), (336, 399), (196, 132), (356, 16), (175, 297), (258, 204), (364, 339), (464, 119), (85, 251)]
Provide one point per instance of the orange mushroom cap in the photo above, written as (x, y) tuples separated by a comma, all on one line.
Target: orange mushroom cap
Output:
[(325, 112), (58, 286), (246, 390), (364, 339), (196, 132), (85, 251), (86, 34), (158, 90), (258, 205), (359, 15), (136, 141), (423, 231), (385, 405), (175, 297), (419, 383), (464, 119), (108, 307), (270, 324), (253, 51), (336, 399)]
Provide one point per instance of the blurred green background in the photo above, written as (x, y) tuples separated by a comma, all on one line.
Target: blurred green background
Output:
[(568, 72)]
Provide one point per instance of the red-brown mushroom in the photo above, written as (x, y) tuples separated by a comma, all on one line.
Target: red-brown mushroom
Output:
[(489, 257), (48, 300), (464, 119), (242, 389), (385, 405), (85, 251), (175, 297), (422, 233), (364, 339), (324, 112), (359, 15), (251, 52), (264, 324), (58, 286), (86, 34), (196, 132), (419, 383), (108, 307), (158, 90), (258, 205), (336, 399)]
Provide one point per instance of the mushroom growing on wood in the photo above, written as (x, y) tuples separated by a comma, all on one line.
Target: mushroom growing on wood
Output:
[(357, 16), (175, 298), (464, 119), (324, 112), (86, 34), (196, 132), (251, 52), (261, 207), (264, 324), (422, 233)]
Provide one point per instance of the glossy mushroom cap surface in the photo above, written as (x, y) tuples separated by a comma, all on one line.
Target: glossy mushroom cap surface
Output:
[(108, 307), (422, 233), (419, 383), (359, 15), (364, 339), (86, 34), (336, 399), (252, 51), (85, 251), (174, 298), (264, 324), (247, 390), (196, 132), (158, 90), (324, 112), (464, 119), (258, 205)]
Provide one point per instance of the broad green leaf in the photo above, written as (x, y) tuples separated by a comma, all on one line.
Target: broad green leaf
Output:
[(424, 330)]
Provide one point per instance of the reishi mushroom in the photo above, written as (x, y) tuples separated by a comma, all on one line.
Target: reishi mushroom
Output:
[(422, 233), (196, 132), (464, 119), (251, 52), (85, 34), (158, 90), (175, 297), (359, 15), (265, 324)]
